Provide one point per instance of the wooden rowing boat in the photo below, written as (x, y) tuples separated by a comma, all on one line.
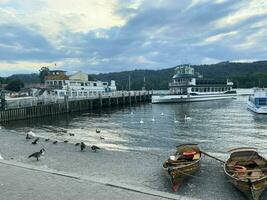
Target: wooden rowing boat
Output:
[(247, 171), (184, 163)]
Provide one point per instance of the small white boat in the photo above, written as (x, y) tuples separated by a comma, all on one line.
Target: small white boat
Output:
[(257, 102)]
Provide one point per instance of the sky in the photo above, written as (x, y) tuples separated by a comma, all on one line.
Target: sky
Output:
[(99, 36)]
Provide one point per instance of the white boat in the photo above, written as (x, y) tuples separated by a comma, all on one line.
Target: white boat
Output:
[(189, 85), (257, 102)]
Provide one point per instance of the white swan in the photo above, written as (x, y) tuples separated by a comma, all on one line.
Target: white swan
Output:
[(131, 113), (1, 158), (162, 114), (30, 133), (153, 119), (187, 118), (176, 121), (141, 121)]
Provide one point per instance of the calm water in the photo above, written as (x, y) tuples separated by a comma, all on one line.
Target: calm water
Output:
[(216, 125)]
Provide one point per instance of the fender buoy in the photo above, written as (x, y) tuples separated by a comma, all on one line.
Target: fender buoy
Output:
[(240, 169), (189, 154)]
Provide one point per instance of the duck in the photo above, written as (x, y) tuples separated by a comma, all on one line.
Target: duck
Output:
[(28, 136), (82, 146), (37, 154), (187, 118), (94, 148), (97, 131), (35, 141)]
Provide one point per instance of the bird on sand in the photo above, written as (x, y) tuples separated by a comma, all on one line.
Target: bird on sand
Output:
[(47, 139), (82, 146), (94, 148), (28, 136), (97, 131), (35, 141), (37, 154), (77, 144), (66, 141), (54, 142), (187, 118), (101, 138), (71, 134)]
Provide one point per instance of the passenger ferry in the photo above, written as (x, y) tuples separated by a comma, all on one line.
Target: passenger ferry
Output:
[(189, 85), (257, 101)]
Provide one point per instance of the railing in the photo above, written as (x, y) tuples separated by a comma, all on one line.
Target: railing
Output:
[(34, 101)]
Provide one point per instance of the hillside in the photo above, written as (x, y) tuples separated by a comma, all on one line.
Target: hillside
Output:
[(243, 75)]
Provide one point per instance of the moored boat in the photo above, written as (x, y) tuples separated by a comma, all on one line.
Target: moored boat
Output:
[(247, 171), (257, 102), (184, 163)]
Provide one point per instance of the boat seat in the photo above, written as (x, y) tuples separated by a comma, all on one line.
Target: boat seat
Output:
[(260, 162), (196, 156), (232, 164)]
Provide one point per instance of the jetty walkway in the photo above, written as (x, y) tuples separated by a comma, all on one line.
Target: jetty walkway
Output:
[(31, 107)]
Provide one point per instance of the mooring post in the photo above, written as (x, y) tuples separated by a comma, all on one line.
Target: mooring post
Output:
[(130, 100), (117, 101), (109, 101), (3, 101), (123, 98), (100, 101), (135, 100), (66, 99), (140, 97)]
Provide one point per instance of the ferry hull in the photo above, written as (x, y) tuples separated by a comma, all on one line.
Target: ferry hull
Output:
[(185, 98), (259, 110)]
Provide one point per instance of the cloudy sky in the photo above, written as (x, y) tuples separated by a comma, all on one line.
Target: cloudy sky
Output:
[(114, 35)]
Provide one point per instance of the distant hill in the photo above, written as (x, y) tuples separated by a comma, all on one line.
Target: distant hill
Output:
[(243, 75)]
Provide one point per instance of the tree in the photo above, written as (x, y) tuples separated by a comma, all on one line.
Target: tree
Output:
[(44, 71), (15, 85)]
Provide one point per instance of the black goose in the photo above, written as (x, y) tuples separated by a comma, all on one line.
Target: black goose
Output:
[(37, 154), (82, 146), (35, 141), (94, 148)]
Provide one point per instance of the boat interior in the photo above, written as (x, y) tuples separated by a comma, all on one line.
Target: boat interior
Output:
[(185, 154), (246, 165)]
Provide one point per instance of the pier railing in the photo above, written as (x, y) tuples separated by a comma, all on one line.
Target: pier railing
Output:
[(29, 107)]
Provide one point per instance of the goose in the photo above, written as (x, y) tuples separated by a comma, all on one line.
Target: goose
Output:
[(94, 148), (187, 118), (141, 121), (35, 141), (37, 154), (82, 146)]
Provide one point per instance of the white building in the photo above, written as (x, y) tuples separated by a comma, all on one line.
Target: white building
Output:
[(76, 85)]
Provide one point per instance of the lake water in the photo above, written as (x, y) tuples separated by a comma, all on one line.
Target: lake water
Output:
[(216, 126)]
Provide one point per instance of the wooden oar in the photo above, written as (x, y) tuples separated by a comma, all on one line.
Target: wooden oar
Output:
[(212, 157)]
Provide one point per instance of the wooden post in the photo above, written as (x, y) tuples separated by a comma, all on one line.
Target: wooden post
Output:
[(100, 101), (130, 100), (109, 101), (140, 97), (123, 98), (135, 100), (66, 99), (3, 101)]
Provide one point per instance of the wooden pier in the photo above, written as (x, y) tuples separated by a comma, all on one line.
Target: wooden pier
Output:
[(66, 105)]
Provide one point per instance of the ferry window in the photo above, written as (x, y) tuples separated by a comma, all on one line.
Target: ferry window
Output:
[(205, 89), (222, 89), (216, 89)]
